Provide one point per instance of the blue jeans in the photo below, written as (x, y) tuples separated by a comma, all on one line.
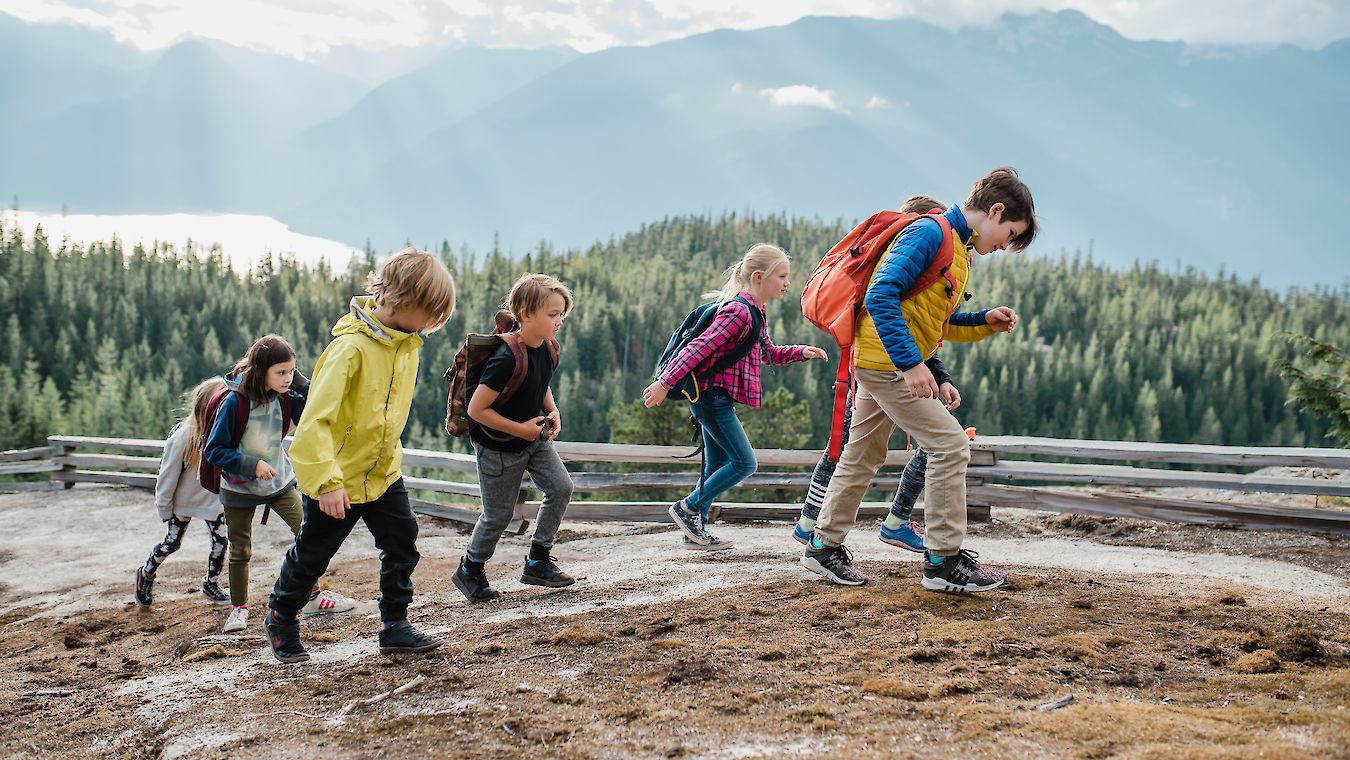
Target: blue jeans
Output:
[(728, 458)]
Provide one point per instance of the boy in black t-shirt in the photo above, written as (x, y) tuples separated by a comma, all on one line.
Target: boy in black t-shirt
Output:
[(516, 437)]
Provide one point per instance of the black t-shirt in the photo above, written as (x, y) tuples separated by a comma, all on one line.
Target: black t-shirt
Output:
[(528, 400)]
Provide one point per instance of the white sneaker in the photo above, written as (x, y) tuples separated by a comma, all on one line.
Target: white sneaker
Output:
[(237, 621), (328, 602)]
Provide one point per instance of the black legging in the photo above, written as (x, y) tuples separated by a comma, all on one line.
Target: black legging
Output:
[(173, 538)]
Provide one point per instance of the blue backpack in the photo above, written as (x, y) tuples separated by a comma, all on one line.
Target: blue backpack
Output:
[(695, 325)]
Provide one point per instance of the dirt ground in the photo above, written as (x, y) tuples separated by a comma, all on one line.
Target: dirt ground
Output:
[(1114, 638)]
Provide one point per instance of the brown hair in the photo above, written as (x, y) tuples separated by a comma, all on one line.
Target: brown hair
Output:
[(195, 406), (921, 204), (416, 279), (531, 292), (1003, 186), (252, 369)]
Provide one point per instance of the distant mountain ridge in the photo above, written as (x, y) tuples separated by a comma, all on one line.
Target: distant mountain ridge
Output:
[(1212, 157)]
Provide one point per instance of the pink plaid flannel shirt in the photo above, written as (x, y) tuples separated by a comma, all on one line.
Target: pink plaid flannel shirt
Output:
[(740, 380)]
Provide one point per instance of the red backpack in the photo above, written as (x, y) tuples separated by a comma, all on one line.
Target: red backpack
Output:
[(208, 474), (463, 375), (833, 298)]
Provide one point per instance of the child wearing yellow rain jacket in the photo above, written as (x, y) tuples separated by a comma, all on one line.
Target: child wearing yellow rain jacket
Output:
[(347, 456)]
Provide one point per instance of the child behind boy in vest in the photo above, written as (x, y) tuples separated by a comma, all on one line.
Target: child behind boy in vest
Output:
[(347, 455), (179, 497), (897, 529), (516, 437), (895, 387)]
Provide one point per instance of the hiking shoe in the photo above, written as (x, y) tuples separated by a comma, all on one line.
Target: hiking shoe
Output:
[(327, 602), (211, 590), (714, 544), (689, 522), (237, 621), (545, 572), (908, 536), (284, 639), (802, 537), (402, 638), (835, 563), (473, 583), (145, 587), (961, 573)]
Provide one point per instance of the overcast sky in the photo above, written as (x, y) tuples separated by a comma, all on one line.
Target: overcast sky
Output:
[(303, 28)]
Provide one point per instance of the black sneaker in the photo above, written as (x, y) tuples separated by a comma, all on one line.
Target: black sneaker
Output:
[(211, 590), (145, 587), (473, 583), (284, 638), (961, 573), (402, 638), (545, 572), (689, 522), (835, 563)]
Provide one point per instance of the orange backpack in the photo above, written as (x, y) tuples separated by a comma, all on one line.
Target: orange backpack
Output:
[(833, 298)]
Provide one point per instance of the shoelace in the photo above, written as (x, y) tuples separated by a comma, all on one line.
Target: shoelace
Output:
[(969, 559)]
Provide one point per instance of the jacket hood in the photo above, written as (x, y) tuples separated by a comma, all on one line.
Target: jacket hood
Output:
[(360, 319)]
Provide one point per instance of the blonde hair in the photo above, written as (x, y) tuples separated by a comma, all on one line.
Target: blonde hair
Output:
[(921, 204), (194, 408), (531, 292), (762, 257), (415, 279)]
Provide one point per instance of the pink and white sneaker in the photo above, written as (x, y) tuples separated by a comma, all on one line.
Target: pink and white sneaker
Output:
[(327, 602)]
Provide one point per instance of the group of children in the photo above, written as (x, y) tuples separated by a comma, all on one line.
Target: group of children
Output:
[(345, 461)]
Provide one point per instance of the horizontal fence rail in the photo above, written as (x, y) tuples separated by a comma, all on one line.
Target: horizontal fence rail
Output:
[(996, 478)]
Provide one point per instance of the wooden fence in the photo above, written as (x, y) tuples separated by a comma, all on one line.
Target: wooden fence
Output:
[(999, 476)]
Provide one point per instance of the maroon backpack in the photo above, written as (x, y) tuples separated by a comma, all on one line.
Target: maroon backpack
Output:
[(208, 474), (463, 375)]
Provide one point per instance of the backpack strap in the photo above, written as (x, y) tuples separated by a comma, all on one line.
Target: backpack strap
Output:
[(745, 345), (517, 346), (241, 409), (287, 403)]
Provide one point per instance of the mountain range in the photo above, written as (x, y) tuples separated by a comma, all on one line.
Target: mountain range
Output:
[(1227, 158)]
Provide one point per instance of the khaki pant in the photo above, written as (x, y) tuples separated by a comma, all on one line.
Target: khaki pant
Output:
[(239, 521), (882, 402)]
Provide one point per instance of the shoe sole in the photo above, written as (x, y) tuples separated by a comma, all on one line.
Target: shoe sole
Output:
[(674, 515), (709, 547), (946, 586), (810, 563), (900, 545), (288, 660), (800, 540), (234, 629), (455, 580), (532, 581), (410, 650), (327, 612)]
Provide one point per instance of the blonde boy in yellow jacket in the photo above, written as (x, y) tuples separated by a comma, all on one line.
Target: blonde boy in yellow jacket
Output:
[(347, 455)]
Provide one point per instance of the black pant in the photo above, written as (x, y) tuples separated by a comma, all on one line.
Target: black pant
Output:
[(389, 519)]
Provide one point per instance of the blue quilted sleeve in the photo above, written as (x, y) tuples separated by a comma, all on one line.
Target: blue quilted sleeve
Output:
[(914, 249)]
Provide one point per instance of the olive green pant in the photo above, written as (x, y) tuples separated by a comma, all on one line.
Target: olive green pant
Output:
[(239, 521)]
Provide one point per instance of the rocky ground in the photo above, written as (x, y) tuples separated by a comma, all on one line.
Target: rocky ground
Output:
[(1115, 638)]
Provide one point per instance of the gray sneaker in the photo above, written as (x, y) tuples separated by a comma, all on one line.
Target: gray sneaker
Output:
[(835, 563), (715, 544), (691, 523)]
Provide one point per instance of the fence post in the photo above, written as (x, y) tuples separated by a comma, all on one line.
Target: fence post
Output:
[(61, 451)]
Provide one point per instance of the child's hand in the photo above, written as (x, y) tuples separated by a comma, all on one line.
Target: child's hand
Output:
[(264, 471), (811, 352), (920, 380), (554, 424), (335, 503), (532, 429), (949, 394), (1002, 319), (654, 394)]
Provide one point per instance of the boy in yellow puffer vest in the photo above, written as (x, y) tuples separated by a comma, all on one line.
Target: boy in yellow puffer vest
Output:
[(895, 387), (347, 455)]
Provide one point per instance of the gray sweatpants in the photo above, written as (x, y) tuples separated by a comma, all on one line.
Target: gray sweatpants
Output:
[(499, 477)]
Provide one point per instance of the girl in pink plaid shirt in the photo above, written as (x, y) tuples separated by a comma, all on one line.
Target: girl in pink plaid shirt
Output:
[(759, 277)]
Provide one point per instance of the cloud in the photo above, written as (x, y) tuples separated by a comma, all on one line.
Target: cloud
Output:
[(877, 102), (304, 28), (801, 95)]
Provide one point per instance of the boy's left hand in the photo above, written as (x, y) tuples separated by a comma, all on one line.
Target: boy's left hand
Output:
[(950, 396), (1001, 319), (554, 424), (811, 352)]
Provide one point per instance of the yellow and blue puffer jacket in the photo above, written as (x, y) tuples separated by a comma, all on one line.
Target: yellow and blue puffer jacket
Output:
[(358, 404), (898, 334)]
